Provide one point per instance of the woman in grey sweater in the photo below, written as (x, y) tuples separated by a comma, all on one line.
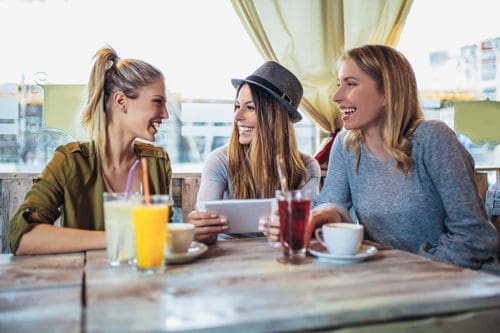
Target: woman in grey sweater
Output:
[(408, 181), (264, 112)]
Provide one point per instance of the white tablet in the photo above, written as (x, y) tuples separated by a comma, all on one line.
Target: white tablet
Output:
[(242, 215)]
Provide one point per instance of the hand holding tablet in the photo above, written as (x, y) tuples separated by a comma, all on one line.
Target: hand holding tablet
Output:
[(242, 215)]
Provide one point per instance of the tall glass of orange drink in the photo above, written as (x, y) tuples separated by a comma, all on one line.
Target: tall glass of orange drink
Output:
[(150, 230)]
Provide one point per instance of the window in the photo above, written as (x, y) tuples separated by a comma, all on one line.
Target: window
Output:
[(454, 47), (199, 45)]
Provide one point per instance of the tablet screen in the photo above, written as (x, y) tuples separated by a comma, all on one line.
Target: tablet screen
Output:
[(242, 215)]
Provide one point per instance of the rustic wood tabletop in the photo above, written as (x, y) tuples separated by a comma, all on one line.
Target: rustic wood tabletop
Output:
[(238, 286)]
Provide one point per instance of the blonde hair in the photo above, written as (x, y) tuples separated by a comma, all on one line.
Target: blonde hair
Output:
[(252, 168), (402, 114), (111, 74)]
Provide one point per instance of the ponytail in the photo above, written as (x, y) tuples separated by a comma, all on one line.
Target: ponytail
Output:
[(110, 74), (94, 114)]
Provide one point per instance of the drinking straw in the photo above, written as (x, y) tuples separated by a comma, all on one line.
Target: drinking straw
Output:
[(281, 165), (130, 178), (119, 246), (145, 181)]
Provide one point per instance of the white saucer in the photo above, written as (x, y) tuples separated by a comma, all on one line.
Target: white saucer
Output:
[(322, 253), (196, 249)]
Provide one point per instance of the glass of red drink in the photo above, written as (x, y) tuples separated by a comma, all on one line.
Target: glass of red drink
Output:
[(294, 207)]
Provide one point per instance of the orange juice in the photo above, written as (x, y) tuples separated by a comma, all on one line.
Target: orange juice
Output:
[(150, 229)]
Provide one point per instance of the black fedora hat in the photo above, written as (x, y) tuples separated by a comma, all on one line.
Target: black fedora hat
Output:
[(279, 82)]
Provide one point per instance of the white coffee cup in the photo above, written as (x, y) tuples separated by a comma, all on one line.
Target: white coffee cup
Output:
[(341, 238), (180, 236)]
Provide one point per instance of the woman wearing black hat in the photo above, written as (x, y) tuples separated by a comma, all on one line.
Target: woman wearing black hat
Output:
[(264, 112)]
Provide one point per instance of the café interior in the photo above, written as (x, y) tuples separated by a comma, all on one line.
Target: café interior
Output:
[(242, 284)]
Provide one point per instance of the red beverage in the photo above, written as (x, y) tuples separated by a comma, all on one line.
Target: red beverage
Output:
[(294, 215)]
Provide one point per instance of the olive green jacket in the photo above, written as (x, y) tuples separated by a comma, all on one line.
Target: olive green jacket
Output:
[(71, 186)]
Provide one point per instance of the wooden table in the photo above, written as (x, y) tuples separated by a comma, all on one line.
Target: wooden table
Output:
[(41, 293), (238, 286)]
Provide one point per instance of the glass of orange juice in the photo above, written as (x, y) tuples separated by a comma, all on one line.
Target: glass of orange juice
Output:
[(150, 230)]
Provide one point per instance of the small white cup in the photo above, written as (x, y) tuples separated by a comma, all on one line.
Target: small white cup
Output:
[(179, 237), (341, 238)]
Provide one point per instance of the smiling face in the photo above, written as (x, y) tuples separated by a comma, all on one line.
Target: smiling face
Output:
[(245, 115), (359, 98), (146, 112)]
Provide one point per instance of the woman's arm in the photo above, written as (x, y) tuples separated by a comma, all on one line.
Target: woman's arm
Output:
[(42, 202), (45, 239), (469, 238), (335, 196), (31, 227), (214, 180), (313, 176), (214, 177)]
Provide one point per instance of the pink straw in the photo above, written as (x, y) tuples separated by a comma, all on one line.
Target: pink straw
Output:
[(129, 179)]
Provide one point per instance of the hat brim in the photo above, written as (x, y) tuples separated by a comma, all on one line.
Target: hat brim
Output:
[(295, 116)]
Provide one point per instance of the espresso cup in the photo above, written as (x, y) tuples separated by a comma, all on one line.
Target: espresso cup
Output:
[(180, 236), (341, 238)]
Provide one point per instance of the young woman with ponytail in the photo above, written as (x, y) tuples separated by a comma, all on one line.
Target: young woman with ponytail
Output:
[(126, 101)]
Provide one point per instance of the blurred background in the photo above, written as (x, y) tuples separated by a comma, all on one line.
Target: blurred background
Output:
[(47, 46)]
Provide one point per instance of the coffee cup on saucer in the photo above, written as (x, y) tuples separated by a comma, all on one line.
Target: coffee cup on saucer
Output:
[(341, 238), (179, 237)]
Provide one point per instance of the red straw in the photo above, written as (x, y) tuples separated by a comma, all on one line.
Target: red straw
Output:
[(145, 180)]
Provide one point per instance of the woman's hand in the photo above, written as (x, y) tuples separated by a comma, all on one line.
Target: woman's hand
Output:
[(270, 226), (318, 217), (207, 225)]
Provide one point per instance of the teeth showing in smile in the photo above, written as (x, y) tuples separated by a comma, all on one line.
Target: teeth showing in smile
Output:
[(348, 111), (156, 125), (245, 129)]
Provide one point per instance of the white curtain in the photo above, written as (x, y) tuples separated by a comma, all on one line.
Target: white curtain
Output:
[(308, 37)]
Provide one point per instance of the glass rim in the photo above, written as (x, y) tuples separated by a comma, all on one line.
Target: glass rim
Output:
[(118, 194), (294, 194), (157, 199)]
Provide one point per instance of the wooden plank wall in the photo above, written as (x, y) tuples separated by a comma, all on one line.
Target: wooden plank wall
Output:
[(13, 192), (184, 193), (482, 184), (14, 188)]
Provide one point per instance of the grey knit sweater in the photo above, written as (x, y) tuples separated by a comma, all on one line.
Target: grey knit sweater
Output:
[(435, 211)]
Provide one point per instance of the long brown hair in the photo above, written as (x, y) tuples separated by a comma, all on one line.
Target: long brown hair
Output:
[(111, 74), (402, 115), (252, 168)]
